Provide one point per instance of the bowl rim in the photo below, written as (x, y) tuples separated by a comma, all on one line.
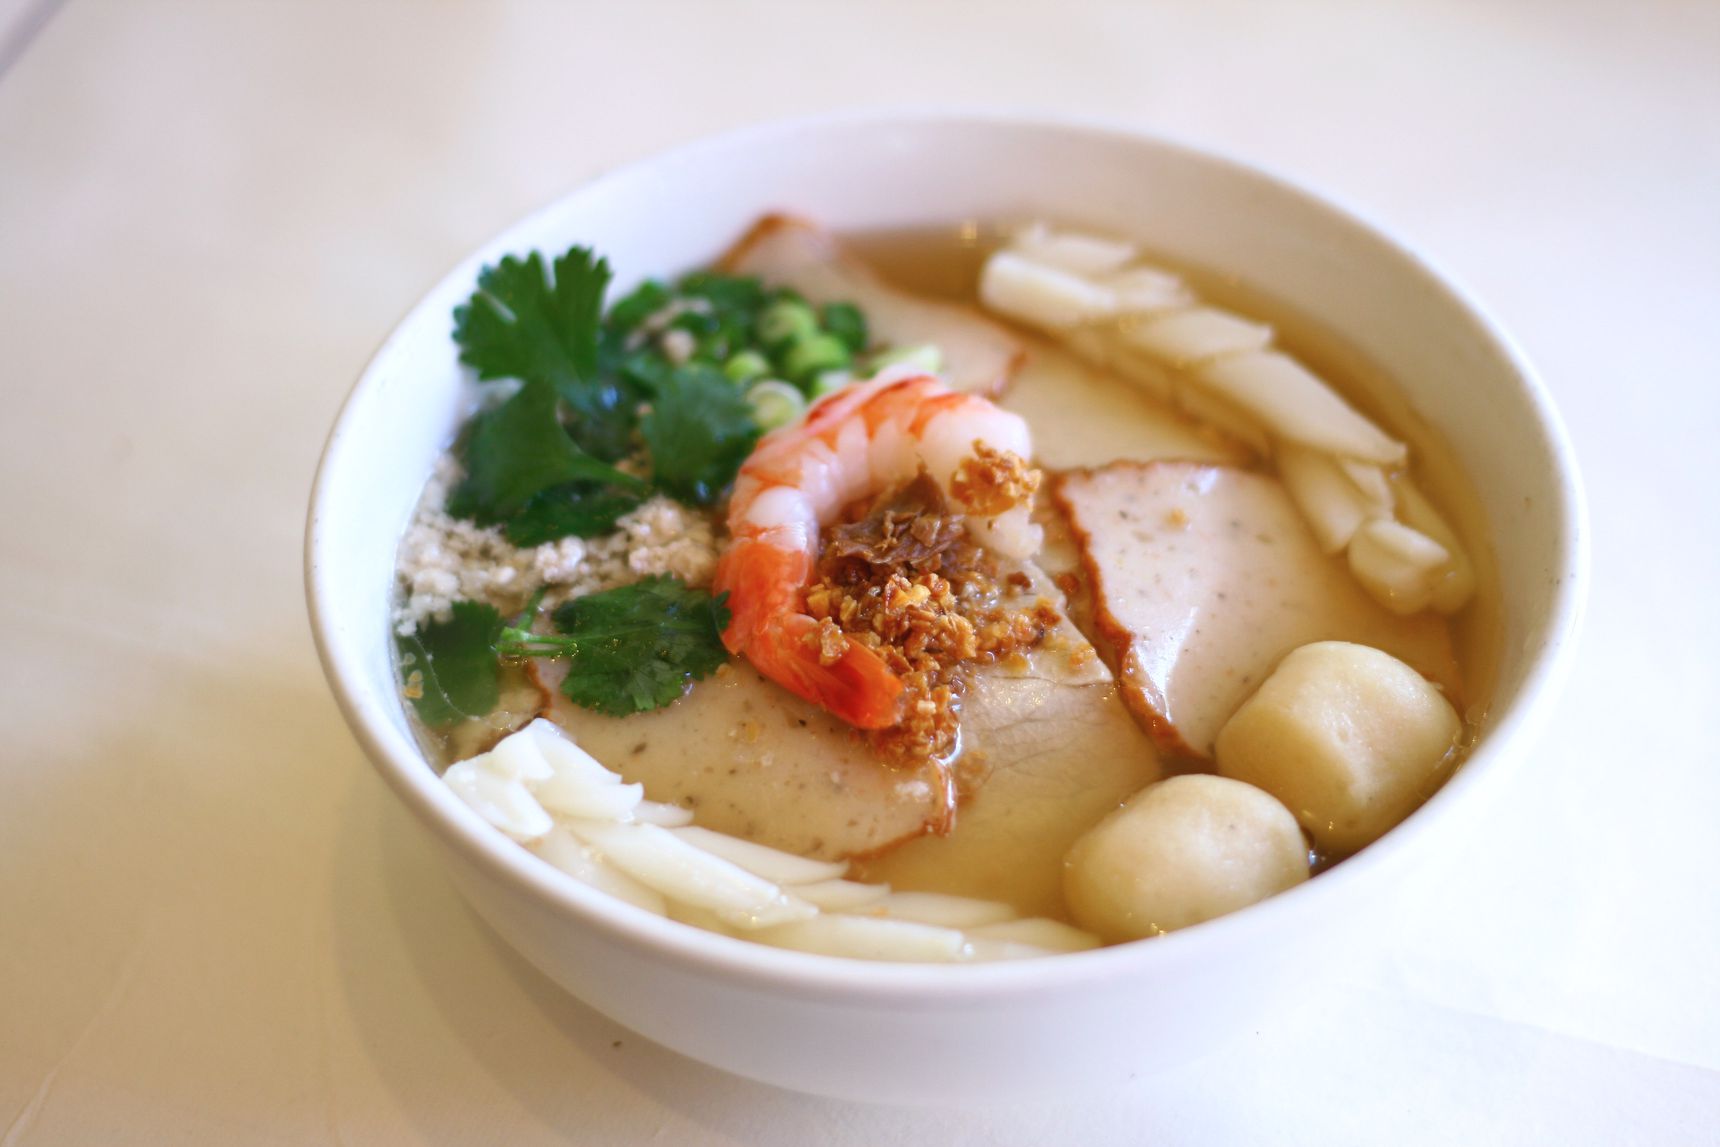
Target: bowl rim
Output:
[(744, 963)]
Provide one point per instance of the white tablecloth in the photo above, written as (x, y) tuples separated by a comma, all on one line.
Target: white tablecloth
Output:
[(215, 925)]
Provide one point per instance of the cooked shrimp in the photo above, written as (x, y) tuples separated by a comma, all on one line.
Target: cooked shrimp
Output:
[(859, 441)]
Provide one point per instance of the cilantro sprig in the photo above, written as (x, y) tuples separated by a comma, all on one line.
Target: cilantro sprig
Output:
[(633, 648), (593, 390), (534, 323)]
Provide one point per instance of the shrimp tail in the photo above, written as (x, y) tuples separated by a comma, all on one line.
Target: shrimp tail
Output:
[(768, 623), (857, 687)]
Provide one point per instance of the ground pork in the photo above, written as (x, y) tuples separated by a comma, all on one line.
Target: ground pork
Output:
[(443, 559)]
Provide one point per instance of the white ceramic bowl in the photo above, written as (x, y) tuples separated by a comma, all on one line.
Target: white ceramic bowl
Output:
[(908, 1033)]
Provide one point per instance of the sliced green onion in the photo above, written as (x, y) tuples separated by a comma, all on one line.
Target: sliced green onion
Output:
[(786, 321), (926, 357), (746, 366), (809, 357), (845, 321), (775, 403)]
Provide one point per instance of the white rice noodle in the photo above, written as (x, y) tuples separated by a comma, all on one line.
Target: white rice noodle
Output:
[(1332, 505), (1397, 565), (1185, 338), (1038, 932), (1204, 406), (1455, 584), (563, 755), (565, 851), (1071, 251), (772, 864), (515, 759), (1296, 405), (1145, 290), (1040, 295), (940, 909), (577, 797), (868, 938), (506, 804), (683, 872), (841, 895), (665, 815)]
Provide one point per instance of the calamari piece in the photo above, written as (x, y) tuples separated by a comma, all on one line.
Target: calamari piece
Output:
[(1456, 582), (1072, 251), (752, 760), (1296, 405), (1205, 577), (1216, 411), (1185, 338), (978, 354), (1334, 506), (1042, 296), (1079, 413), (1145, 290), (1400, 566)]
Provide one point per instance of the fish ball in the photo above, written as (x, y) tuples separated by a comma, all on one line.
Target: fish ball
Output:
[(1181, 851), (1350, 738)]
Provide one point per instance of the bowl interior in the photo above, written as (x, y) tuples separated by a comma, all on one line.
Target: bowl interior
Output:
[(680, 210)]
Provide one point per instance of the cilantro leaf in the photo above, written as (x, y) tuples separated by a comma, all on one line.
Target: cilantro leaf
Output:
[(645, 370), (518, 450), (699, 430), (639, 304), (523, 323), (724, 292), (451, 668), (604, 416), (583, 509), (633, 648)]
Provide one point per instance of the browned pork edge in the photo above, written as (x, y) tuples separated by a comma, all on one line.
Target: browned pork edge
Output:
[(1137, 694)]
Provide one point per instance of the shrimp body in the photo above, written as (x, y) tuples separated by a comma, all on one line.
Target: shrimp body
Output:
[(857, 442)]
